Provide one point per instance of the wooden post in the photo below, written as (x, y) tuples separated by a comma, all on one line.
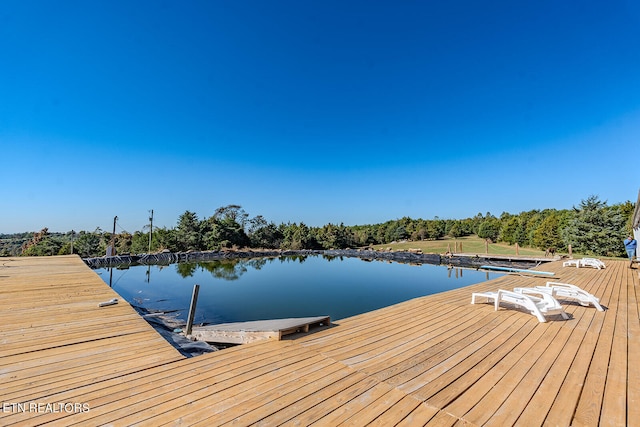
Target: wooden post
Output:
[(192, 308), (111, 250), (486, 246), (517, 249), (150, 230), (461, 251), (449, 247), (570, 252)]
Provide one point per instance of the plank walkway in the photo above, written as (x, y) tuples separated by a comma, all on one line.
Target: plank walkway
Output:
[(435, 360)]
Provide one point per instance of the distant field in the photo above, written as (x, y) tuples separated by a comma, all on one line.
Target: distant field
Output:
[(470, 244)]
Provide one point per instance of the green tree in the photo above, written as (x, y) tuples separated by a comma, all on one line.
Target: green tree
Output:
[(88, 244), (42, 244), (509, 230), (456, 229), (436, 229), (232, 213), (490, 229), (188, 232), (335, 236), (225, 233), (596, 229), (123, 243), (298, 236), (396, 233), (362, 235), (163, 238), (226, 228), (263, 234), (547, 234)]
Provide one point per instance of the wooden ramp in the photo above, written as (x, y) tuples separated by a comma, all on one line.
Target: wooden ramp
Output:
[(435, 360), (258, 330)]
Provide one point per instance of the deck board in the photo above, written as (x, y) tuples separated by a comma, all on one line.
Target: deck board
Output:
[(435, 360)]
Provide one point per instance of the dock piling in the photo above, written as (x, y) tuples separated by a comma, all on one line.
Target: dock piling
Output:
[(192, 308)]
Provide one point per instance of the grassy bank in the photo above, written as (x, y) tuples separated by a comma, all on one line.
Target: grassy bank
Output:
[(469, 244)]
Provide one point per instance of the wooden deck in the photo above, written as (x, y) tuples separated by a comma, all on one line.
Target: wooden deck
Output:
[(435, 360)]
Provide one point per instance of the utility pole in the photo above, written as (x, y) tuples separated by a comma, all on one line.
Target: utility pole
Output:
[(150, 230), (113, 238)]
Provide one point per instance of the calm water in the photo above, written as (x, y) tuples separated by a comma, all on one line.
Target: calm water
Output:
[(242, 290)]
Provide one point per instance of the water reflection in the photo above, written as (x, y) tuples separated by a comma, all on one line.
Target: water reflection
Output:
[(270, 288), (228, 269)]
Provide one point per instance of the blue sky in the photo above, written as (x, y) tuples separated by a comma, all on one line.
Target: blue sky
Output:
[(332, 111)]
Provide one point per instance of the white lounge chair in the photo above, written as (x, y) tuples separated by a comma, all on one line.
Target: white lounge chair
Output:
[(566, 290), (571, 263), (584, 262), (592, 262), (539, 306)]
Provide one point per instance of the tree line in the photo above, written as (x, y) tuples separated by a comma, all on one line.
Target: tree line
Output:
[(591, 228)]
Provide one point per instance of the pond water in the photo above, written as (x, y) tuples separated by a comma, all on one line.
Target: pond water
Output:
[(270, 288)]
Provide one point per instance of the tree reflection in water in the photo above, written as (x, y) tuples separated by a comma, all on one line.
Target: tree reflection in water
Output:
[(227, 269)]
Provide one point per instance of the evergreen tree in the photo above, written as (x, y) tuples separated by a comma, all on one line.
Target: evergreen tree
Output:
[(547, 235), (263, 234), (188, 232), (596, 229)]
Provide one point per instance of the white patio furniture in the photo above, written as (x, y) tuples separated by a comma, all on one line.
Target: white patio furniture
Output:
[(571, 263), (540, 306), (584, 262), (568, 291), (592, 262)]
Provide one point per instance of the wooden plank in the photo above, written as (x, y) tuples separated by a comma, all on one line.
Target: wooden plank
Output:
[(151, 390), (367, 412), (491, 388), (378, 347), (591, 398), (387, 321), (273, 402), (613, 412), (258, 330), (230, 366), (519, 398), (222, 406), (442, 352), (79, 367), (633, 351), (442, 419), (310, 408), (419, 416), (450, 377), (336, 409), (397, 413), (540, 404)]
